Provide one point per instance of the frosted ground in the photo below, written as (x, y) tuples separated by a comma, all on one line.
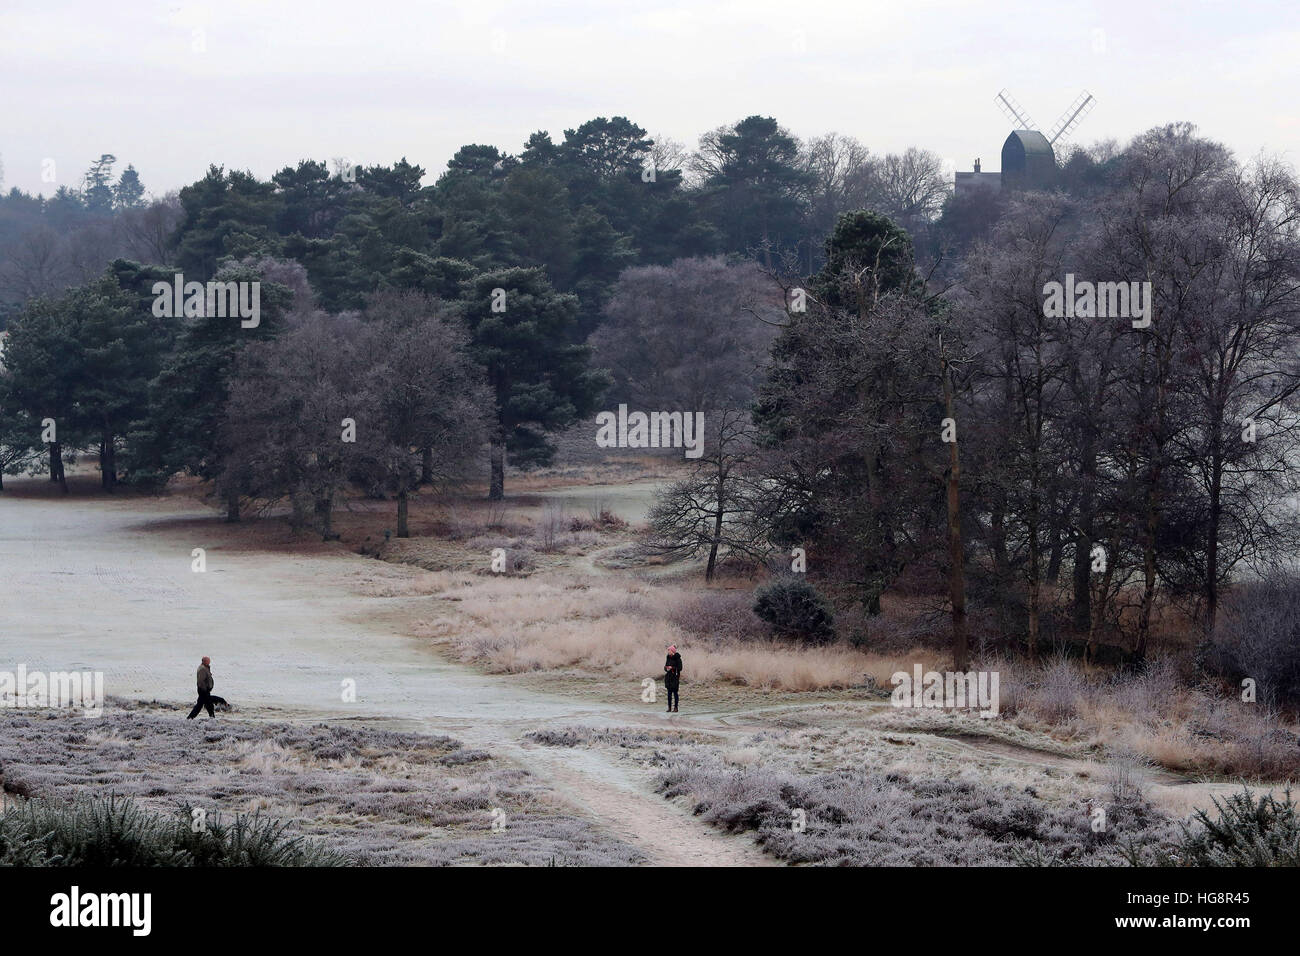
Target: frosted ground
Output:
[(413, 768)]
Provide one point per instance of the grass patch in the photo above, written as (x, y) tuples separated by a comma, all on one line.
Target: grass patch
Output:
[(114, 831)]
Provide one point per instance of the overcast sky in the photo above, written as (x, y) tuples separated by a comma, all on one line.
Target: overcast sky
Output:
[(172, 87)]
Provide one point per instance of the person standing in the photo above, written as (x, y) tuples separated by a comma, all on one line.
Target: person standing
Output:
[(672, 677), (205, 689)]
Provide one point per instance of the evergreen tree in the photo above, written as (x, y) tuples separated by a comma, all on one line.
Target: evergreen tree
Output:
[(522, 335), (97, 185), (129, 191)]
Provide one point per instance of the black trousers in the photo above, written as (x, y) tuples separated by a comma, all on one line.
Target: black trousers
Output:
[(205, 700), (673, 697)]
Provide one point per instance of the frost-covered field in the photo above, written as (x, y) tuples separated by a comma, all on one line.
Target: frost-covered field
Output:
[(376, 796), (839, 799), (476, 694)]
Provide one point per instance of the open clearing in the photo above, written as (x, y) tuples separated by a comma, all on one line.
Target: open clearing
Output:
[(106, 585)]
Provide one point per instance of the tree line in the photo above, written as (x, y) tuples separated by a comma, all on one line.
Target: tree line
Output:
[(1060, 478), (553, 227), (605, 197), (899, 405)]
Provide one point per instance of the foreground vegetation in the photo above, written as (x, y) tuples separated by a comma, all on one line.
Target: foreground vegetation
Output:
[(1245, 830), (887, 807), (120, 789), (112, 831)]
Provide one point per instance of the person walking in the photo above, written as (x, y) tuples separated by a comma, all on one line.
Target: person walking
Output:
[(205, 690), (672, 677)]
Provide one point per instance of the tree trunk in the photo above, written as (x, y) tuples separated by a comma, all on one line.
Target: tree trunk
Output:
[(957, 562), (1032, 530), (1082, 582), (1149, 554), (402, 530), (1055, 553), (325, 517), (1153, 509), (1083, 541), (880, 562), (717, 528), (1098, 613), (876, 567), (1035, 589), (497, 489), (956, 557), (56, 466), (232, 507), (107, 462), (1212, 545), (426, 466), (998, 533), (1148, 576)]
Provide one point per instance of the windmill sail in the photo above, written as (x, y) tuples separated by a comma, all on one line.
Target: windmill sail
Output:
[(1073, 114), (1014, 111)]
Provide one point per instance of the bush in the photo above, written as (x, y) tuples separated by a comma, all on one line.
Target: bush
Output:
[(896, 628), (792, 607), (1059, 692), (724, 615), (608, 521), (115, 832), (1248, 832), (858, 817), (550, 526), (1257, 635), (520, 561)]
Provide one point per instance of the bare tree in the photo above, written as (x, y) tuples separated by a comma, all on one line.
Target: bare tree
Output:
[(148, 231), (667, 155), (839, 171), (1023, 362), (909, 187), (425, 401), (1159, 227), (711, 510), (1244, 349), (690, 335), (92, 247), (287, 427), (37, 263)]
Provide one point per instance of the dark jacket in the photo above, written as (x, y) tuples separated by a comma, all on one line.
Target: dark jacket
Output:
[(672, 671), (205, 678)]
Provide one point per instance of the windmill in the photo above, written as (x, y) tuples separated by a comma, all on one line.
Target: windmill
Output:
[(1073, 115), (1028, 157)]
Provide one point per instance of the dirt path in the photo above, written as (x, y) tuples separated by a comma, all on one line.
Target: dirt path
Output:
[(666, 832), (108, 585), (589, 563), (1173, 792), (1166, 789)]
